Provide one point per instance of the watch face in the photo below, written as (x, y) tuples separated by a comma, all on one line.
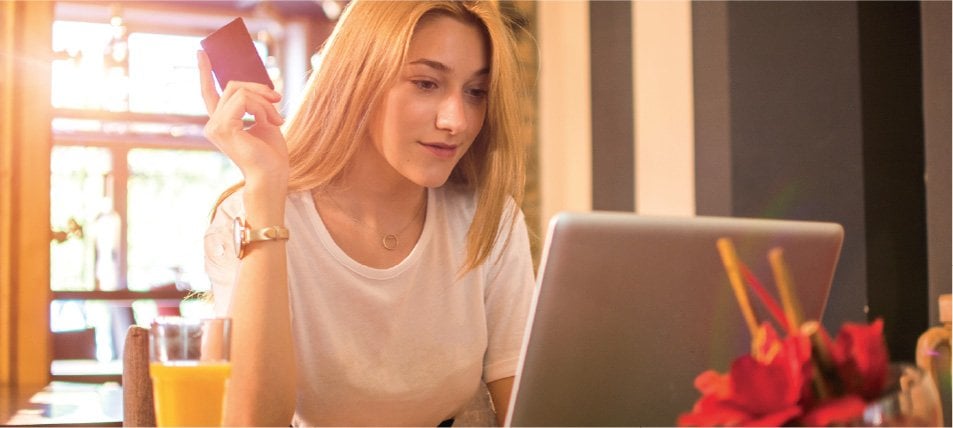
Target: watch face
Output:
[(238, 228)]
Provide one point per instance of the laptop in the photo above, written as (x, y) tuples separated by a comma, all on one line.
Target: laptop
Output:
[(629, 309)]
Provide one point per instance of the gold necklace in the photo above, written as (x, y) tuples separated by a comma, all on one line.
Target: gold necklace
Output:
[(390, 241)]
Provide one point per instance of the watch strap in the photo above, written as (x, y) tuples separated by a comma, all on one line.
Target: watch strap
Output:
[(245, 235), (269, 233)]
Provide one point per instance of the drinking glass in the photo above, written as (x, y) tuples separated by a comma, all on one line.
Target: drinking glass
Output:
[(912, 400), (189, 365)]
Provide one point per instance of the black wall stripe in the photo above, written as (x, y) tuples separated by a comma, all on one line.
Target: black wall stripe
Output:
[(712, 104), (890, 75), (613, 130), (825, 122)]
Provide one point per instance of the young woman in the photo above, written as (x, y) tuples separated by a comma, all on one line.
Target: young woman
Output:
[(383, 264)]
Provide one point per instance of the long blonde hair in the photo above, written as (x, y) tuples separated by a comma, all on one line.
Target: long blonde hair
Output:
[(360, 61)]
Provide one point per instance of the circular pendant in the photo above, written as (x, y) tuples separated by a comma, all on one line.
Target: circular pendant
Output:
[(390, 242)]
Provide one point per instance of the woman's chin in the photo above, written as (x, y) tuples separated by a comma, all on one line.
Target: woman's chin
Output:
[(433, 183), (432, 178)]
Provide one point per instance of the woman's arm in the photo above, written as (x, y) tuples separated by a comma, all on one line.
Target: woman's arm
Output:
[(500, 391), (508, 301), (261, 389)]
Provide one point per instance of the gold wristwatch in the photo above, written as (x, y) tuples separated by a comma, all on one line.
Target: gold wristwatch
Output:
[(244, 235)]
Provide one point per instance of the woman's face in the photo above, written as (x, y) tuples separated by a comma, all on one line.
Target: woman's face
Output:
[(435, 110)]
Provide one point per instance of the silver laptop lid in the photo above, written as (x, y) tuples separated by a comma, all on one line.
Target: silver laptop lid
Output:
[(630, 309)]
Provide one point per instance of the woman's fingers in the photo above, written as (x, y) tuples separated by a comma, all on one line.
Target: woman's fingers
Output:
[(259, 150), (227, 130), (259, 101), (274, 117), (207, 83), (246, 93), (265, 113), (213, 99), (232, 109), (248, 89)]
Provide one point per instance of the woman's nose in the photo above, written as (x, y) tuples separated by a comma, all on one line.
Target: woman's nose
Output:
[(451, 115)]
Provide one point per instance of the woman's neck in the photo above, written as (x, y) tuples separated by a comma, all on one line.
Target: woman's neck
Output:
[(374, 193), (374, 219)]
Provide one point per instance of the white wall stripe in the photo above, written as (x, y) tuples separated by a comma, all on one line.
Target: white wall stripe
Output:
[(565, 128), (664, 109)]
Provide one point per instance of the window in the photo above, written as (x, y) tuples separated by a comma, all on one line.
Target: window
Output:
[(132, 187)]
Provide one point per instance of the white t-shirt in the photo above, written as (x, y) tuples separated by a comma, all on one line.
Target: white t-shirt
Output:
[(406, 345)]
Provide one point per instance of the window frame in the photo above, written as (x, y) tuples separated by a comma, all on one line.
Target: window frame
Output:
[(195, 22)]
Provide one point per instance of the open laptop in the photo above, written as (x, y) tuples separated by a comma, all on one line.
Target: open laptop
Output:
[(630, 309)]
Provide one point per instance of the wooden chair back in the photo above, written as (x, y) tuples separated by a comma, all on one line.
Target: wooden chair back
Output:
[(137, 404)]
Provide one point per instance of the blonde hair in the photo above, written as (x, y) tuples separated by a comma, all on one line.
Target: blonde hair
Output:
[(361, 60)]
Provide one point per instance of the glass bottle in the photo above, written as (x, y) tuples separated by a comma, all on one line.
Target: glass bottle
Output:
[(933, 355)]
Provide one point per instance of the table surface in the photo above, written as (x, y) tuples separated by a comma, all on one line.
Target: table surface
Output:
[(61, 404), (86, 371)]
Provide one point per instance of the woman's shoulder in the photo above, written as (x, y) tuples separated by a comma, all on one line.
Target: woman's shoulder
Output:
[(233, 204), (228, 208)]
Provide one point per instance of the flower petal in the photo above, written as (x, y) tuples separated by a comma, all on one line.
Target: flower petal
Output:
[(862, 359), (709, 411), (765, 388), (838, 411), (776, 419), (713, 383)]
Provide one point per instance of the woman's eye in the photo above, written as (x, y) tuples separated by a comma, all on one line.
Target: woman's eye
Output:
[(425, 84), (477, 93)]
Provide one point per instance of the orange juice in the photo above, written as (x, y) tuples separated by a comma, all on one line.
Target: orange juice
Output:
[(189, 393)]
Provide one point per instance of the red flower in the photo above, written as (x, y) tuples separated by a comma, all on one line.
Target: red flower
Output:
[(861, 358), (773, 386), (716, 408), (805, 378), (837, 411), (760, 390)]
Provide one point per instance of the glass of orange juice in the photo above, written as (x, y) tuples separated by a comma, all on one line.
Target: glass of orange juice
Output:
[(189, 365)]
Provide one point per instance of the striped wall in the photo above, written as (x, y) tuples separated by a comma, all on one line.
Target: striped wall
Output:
[(754, 109), (615, 107)]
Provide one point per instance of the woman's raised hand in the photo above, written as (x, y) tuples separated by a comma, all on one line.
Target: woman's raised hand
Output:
[(259, 302), (260, 151)]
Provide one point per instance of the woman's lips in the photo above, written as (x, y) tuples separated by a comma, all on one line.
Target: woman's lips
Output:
[(440, 150)]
